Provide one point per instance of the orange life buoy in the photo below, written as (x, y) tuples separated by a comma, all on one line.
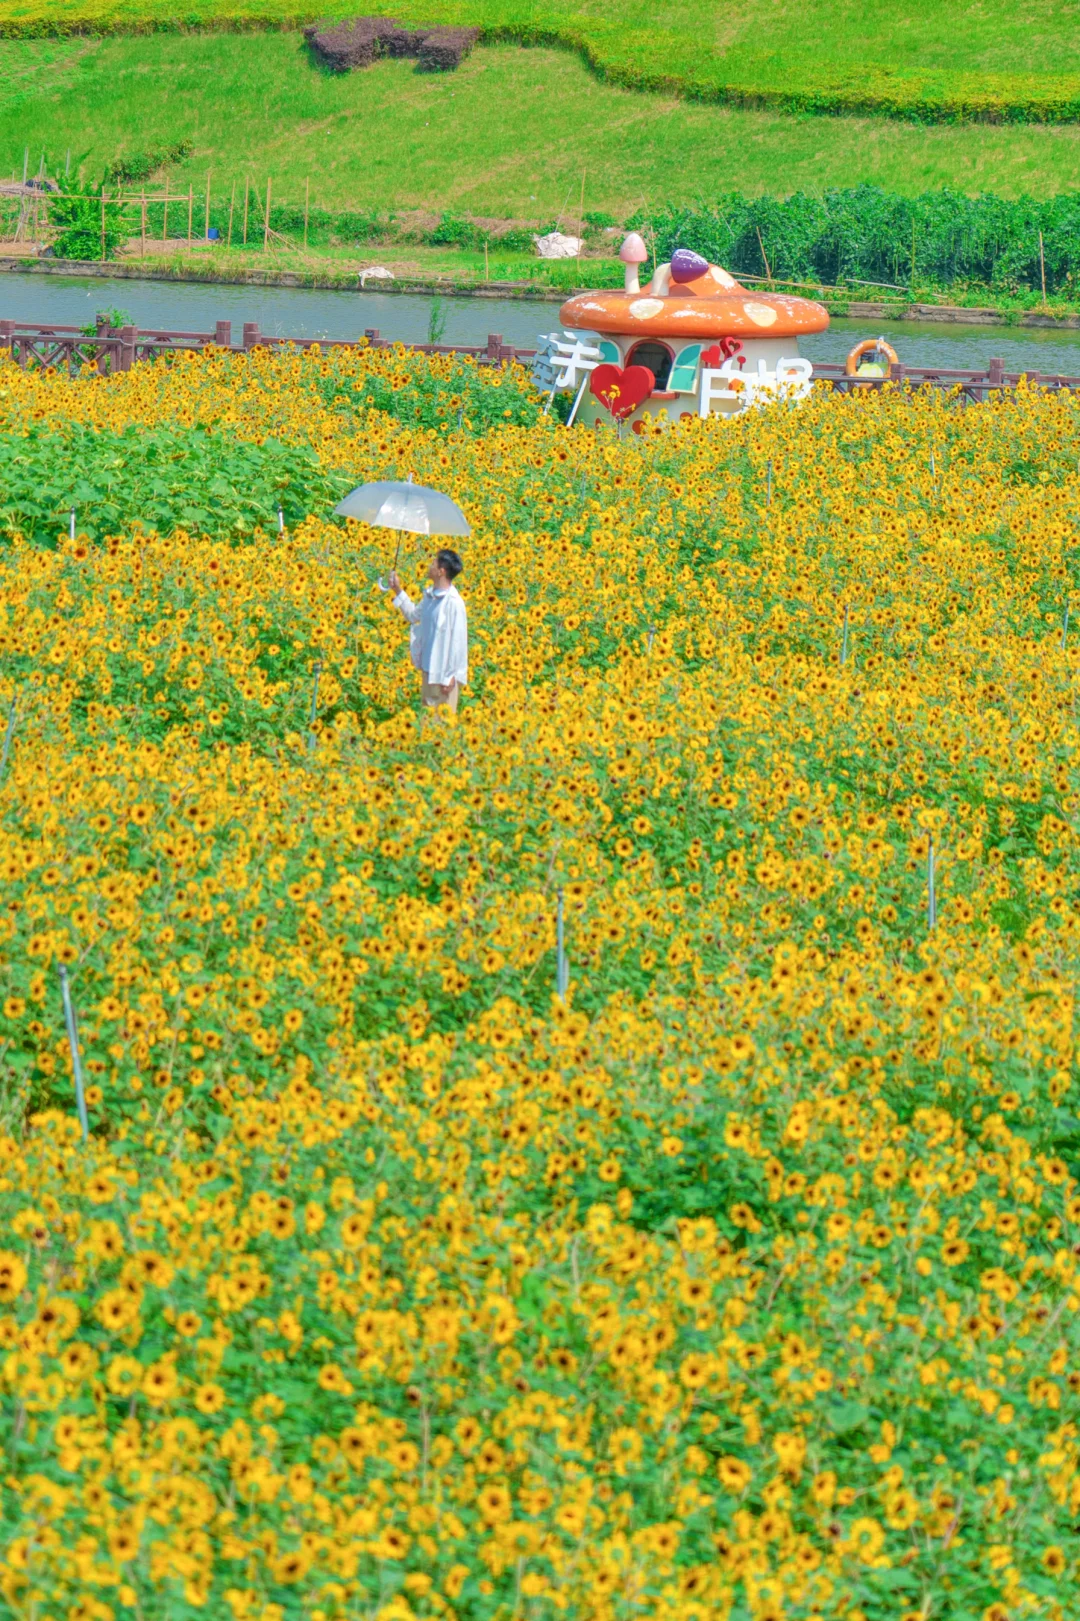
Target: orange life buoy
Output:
[(868, 345)]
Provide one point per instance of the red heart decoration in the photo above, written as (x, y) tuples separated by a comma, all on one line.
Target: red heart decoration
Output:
[(621, 391), (724, 350)]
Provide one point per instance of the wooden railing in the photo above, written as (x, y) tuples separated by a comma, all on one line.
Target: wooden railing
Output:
[(113, 349), (973, 385)]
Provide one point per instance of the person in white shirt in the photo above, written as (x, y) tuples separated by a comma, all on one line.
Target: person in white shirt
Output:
[(439, 639)]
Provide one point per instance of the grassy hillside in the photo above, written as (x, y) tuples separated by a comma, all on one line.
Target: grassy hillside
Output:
[(509, 134), (1023, 57)]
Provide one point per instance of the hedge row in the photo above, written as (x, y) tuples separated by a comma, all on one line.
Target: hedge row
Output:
[(865, 233), (926, 99)]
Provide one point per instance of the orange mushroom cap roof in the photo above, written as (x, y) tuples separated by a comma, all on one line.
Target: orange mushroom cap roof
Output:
[(713, 305)]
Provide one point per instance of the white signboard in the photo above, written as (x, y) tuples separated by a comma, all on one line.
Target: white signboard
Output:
[(562, 361), (789, 381)]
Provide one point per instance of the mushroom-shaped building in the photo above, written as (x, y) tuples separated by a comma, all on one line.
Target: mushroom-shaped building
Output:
[(691, 322)]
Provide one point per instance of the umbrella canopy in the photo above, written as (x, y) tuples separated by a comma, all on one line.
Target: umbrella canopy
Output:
[(412, 507)]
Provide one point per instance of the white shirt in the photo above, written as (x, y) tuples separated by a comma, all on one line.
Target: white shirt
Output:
[(439, 641)]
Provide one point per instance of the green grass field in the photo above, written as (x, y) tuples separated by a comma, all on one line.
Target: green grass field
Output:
[(911, 50), (508, 135)]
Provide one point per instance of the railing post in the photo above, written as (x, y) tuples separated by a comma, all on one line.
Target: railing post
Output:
[(7, 334), (223, 334), (251, 334), (996, 375), (127, 347), (494, 344), (371, 333)]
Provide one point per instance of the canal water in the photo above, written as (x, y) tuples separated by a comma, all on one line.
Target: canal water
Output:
[(301, 312)]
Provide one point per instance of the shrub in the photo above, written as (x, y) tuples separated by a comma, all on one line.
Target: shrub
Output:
[(141, 165), (85, 229)]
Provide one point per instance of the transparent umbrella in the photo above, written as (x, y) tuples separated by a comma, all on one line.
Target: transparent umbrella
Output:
[(411, 508)]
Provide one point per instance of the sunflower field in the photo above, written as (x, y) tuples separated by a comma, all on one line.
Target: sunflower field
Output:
[(740, 1283)]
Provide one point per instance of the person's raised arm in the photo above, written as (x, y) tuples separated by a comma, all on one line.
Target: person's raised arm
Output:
[(402, 601)]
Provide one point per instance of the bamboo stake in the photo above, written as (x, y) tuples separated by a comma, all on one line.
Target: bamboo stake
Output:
[(247, 185), (913, 250), (232, 205), (581, 210), (165, 214), (103, 222), (486, 275), (764, 259), (144, 223), (266, 219), (1042, 268), (206, 225), (190, 211), (307, 204)]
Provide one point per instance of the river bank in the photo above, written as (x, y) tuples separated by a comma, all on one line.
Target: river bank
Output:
[(431, 285), (408, 314)]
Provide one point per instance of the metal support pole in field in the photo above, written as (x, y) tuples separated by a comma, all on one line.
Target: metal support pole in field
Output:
[(577, 401), (73, 1043), (562, 966), (312, 740), (8, 735), (71, 524)]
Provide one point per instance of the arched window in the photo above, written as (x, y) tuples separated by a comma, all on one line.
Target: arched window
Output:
[(657, 356)]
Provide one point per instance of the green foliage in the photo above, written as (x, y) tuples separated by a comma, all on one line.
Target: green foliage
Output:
[(141, 165), (865, 233), (84, 230), (113, 319), (462, 396), (162, 478), (453, 231)]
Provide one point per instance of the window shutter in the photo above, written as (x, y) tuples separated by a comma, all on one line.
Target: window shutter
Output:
[(684, 371)]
